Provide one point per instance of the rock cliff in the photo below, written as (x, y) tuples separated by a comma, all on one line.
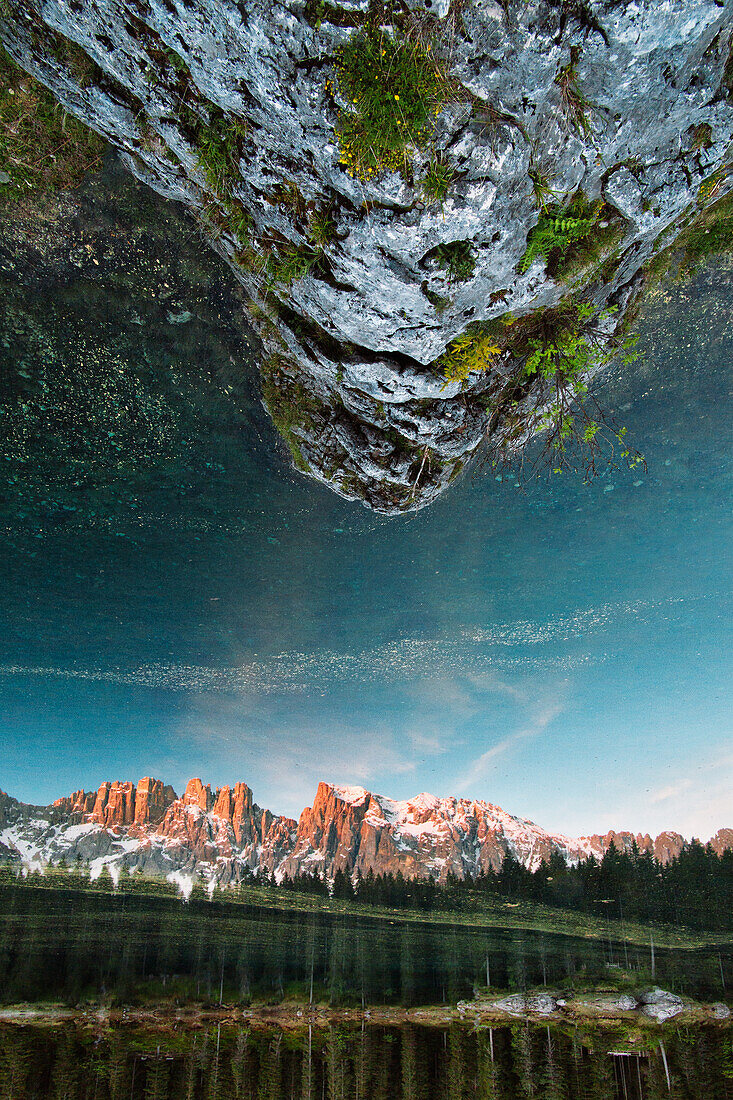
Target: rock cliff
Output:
[(360, 280), (222, 835), (116, 804)]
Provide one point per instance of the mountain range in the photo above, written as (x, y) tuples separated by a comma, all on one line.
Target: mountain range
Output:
[(220, 835)]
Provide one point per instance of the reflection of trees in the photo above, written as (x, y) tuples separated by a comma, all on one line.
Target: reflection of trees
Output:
[(521, 1062), (238, 1065), (67, 1073), (410, 1086), (157, 1076), (137, 945), (118, 1073), (338, 965), (337, 1056), (487, 1070), (601, 1083), (308, 1076), (517, 963), (461, 1056), (554, 1082), (17, 1063), (270, 1070), (407, 967), (451, 965)]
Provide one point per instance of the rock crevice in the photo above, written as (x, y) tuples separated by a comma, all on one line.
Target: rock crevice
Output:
[(232, 110)]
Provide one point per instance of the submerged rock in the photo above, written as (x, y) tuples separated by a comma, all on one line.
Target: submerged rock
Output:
[(358, 285)]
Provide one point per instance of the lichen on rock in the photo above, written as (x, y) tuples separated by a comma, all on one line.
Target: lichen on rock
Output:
[(235, 109)]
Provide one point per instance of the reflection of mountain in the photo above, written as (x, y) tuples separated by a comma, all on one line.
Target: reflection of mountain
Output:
[(219, 835)]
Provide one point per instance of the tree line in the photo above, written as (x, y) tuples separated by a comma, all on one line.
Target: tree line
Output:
[(694, 889)]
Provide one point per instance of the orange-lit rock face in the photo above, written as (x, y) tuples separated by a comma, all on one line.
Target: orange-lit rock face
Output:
[(196, 794), (722, 841), (667, 846), (114, 804), (664, 847), (79, 803), (152, 799), (225, 833)]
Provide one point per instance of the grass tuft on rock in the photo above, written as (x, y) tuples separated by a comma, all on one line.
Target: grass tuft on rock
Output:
[(437, 181), (457, 258), (42, 147), (219, 150), (394, 90)]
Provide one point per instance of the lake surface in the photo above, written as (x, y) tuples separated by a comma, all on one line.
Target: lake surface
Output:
[(362, 1063), (177, 601)]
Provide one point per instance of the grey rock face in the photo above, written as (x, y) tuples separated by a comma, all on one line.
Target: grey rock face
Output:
[(360, 333), (661, 1005), (610, 1003), (659, 996)]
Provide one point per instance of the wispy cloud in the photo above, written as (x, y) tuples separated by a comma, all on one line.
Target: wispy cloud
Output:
[(430, 743), (482, 765), (284, 760), (670, 792), (486, 654)]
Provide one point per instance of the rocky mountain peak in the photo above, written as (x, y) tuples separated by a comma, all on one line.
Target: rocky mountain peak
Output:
[(221, 835), (152, 799), (196, 794), (722, 841)]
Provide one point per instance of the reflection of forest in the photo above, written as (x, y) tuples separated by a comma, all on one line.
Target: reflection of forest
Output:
[(412, 1063), (141, 948)]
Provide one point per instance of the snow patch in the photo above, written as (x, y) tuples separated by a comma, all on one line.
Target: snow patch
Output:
[(29, 853), (74, 832), (352, 795), (128, 844), (184, 883)]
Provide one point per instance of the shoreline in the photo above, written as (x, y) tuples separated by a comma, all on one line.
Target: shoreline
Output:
[(296, 1017)]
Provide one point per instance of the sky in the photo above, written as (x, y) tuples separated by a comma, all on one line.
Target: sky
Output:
[(202, 609)]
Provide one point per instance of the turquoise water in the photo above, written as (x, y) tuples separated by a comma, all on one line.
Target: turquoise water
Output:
[(176, 600)]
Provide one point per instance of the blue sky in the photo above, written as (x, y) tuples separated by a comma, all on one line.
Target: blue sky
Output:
[(562, 652)]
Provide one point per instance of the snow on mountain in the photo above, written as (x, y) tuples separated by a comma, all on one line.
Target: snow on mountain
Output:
[(220, 835)]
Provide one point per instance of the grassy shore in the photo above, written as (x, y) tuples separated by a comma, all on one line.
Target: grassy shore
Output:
[(483, 912)]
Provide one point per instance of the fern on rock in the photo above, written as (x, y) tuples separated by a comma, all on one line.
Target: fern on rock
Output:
[(556, 232)]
